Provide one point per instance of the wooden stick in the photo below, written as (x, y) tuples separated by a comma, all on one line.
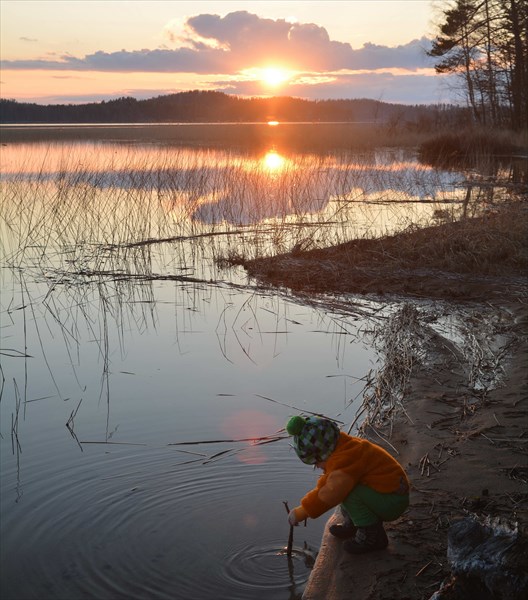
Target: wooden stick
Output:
[(290, 537)]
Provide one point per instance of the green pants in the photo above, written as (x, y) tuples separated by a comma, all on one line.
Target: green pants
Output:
[(365, 506)]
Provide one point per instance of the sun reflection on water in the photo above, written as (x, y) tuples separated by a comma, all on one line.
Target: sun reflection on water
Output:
[(250, 424), (273, 161)]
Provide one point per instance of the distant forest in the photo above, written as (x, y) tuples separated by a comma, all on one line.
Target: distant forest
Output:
[(217, 107)]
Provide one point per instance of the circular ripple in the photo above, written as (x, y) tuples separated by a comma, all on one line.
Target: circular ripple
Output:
[(139, 525), (267, 568)]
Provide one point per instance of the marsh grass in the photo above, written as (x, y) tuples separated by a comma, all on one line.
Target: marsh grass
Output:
[(473, 146), (73, 212), (77, 213)]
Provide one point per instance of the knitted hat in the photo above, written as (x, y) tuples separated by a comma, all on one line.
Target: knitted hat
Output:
[(314, 438)]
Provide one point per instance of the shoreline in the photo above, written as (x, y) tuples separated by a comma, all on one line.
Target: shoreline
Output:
[(476, 259), (464, 447), (464, 456)]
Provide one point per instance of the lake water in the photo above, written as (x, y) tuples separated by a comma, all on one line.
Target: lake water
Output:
[(145, 385)]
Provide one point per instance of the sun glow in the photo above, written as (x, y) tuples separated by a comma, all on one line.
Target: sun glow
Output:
[(273, 161), (274, 76)]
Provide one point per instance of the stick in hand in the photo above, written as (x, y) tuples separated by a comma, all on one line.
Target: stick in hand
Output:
[(290, 537)]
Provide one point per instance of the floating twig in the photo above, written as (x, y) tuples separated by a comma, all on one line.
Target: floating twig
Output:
[(254, 439), (114, 443), (70, 424), (301, 410)]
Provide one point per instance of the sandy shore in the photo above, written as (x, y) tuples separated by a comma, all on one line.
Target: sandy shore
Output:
[(464, 455)]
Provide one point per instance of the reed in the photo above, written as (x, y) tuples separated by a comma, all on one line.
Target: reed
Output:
[(75, 215), (401, 344), (473, 145)]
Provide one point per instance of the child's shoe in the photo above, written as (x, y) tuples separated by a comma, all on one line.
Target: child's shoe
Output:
[(344, 531), (372, 537)]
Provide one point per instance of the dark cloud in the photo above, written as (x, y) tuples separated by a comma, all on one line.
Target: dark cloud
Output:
[(240, 31), (183, 60), (251, 40), (241, 40)]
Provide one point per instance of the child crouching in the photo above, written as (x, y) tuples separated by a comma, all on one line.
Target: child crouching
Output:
[(368, 483)]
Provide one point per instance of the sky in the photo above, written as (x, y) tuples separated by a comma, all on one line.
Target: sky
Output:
[(87, 51)]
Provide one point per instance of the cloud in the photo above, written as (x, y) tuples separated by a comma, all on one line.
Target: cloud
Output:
[(409, 88), (241, 40), (182, 60), (26, 39)]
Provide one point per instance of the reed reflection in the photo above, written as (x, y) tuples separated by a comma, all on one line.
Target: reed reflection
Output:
[(117, 196)]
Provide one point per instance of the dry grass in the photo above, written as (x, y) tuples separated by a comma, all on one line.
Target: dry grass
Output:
[(470, 146), (400, 344), (489, 245), (464, 259)]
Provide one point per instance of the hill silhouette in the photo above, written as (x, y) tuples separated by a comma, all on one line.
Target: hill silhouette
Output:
[(217, 107)]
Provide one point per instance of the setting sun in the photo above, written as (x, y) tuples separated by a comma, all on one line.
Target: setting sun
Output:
[(274, 76)]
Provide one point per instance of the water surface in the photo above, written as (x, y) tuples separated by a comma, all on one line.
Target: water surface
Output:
[(134, 362)]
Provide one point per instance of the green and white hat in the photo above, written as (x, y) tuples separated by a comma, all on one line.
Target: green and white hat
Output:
[(314, 438)]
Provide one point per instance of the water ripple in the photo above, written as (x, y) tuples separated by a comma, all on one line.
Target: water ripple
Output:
[(136, 524)]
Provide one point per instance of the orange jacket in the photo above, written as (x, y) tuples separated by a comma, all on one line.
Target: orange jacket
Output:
[(353, 461)]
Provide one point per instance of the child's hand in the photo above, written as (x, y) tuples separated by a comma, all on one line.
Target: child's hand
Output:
[(292, 518)]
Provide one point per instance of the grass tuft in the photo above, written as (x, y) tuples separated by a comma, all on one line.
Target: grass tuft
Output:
[(466, 147), (458, 260)]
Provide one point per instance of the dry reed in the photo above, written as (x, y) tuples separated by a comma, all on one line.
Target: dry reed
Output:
[(74, 220), (400, 342)]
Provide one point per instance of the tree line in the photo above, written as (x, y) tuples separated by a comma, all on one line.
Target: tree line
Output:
[(217, 107), (485, 43)]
